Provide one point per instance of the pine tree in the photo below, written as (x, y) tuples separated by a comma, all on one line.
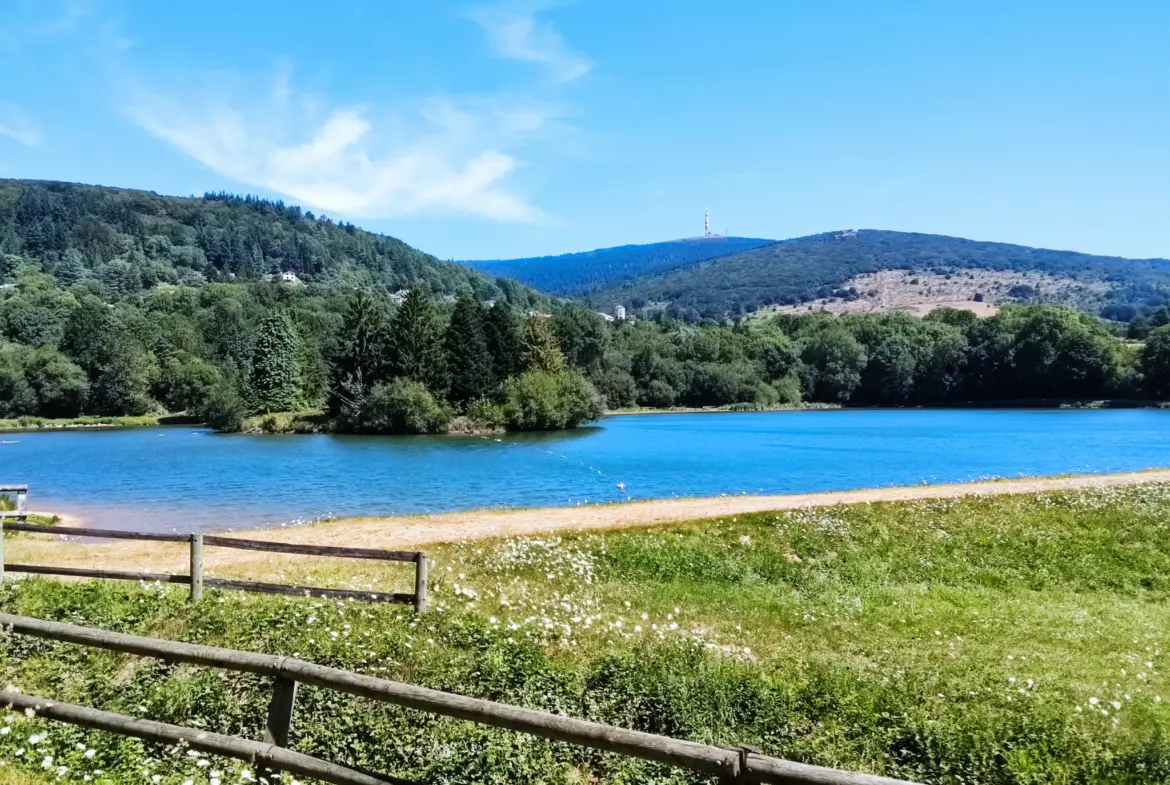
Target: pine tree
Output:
[(539, 349), (502, 330), (359, 360), (71, 268), (469, 363), (276, 374), (416, 342)]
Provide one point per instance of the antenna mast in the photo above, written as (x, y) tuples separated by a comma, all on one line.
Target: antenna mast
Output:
[(706, 222)]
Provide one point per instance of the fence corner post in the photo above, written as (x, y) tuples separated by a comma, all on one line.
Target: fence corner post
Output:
[(420, 583), (196, 567), (1, 551)]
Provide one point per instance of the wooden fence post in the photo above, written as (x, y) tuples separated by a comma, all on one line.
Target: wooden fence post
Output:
[(280, 714), (1, 550), (196, 567), (420, 583)]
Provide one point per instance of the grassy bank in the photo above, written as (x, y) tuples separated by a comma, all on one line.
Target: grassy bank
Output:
[(40, 423), (998, 640), (317, 421), (312, 421)]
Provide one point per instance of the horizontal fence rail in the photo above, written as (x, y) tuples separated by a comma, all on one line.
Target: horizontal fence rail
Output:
[(85, 531), (731, 765), (196, 580), (310, 550), (264, 756)]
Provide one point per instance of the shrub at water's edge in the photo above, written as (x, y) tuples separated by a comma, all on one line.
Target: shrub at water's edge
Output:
[(550, 400), (404, 406), (1008, 640)]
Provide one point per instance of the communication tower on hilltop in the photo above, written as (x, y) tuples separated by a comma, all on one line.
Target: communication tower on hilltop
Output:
[(706, 222)]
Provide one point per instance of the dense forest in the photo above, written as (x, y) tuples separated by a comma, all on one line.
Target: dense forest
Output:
[(228, 351), (807, 268), (576, 274), (123, 303), (121, 242)]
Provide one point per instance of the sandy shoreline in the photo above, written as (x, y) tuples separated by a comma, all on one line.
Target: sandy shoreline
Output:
[(419, 531)]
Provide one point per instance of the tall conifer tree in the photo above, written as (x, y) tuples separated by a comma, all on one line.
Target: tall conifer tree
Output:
[(501, 329), (469, 363), (276, 373), (359, 360), (416, 342)]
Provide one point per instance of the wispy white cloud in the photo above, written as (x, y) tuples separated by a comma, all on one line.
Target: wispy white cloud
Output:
[(16, 125), (516, 33), (448, 158), (25, 23)]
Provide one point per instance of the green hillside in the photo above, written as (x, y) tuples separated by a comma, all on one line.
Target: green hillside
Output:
[(806, 268), (123, 241), (121, 303)]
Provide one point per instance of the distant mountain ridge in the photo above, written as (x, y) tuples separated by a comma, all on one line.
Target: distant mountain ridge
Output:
[(807, 268), (576, 274), (122, 241)]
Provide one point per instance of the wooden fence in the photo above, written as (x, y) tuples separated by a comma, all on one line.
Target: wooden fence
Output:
[(19, 496), (196, 580), (741, 765)]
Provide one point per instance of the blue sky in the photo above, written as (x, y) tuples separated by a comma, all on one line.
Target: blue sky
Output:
[(506, 129)]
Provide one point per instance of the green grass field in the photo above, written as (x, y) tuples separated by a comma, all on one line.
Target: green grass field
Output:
[(998, 640)]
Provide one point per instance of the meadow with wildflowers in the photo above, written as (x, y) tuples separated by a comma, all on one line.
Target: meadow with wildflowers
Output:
[(1018, 639)]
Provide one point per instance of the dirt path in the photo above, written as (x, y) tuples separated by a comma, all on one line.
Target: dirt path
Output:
[(416, 532)]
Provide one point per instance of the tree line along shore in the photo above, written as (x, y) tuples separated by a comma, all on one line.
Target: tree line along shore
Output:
[(368, 362)]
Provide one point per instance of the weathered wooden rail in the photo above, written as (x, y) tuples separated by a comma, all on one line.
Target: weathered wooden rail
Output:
[(19, 494), (730, 765), (196, 580)]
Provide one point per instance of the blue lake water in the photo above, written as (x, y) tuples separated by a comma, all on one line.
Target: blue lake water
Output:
[(189, 479)]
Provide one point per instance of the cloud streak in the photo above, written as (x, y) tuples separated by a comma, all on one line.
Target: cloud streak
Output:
[(515, 33), (447, 159), (14, 124)]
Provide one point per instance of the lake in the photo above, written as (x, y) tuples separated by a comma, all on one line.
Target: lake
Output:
[(191, 479)]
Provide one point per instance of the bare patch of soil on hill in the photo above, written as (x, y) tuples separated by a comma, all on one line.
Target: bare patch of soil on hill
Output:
[(979, 291)]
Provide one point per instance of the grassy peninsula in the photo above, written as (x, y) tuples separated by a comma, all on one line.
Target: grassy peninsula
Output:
[(1015, 639)]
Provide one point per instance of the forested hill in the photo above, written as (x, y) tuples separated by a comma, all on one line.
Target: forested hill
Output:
[(124, 241), (806, 268), (580, 273)]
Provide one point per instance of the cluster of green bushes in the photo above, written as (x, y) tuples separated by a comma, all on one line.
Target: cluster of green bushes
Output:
[(1024, 353), (410, 373)]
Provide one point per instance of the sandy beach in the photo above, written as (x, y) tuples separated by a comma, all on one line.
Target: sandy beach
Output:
[(420, 531)]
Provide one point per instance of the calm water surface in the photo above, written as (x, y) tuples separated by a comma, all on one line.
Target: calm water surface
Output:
[(167, 478)]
